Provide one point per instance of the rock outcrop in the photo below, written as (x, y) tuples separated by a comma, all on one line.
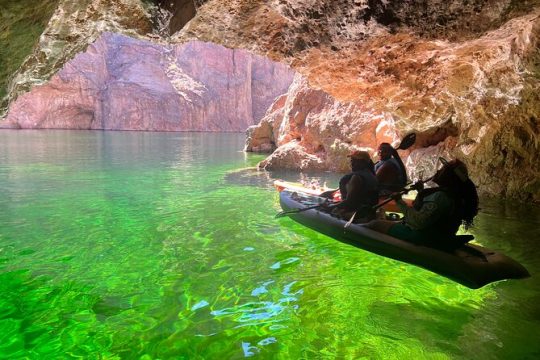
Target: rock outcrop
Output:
[(463, 75), (476, 100), (121, 83)]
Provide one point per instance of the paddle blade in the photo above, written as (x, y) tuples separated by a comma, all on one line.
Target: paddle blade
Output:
[(285, 213), (294, 211), (407, 142)]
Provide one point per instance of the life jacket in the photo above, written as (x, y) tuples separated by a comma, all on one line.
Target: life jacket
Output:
[(446, 226), (400, 181)]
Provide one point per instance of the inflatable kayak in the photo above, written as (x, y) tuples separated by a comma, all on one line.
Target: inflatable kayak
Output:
[(281, 185), (470, 265)]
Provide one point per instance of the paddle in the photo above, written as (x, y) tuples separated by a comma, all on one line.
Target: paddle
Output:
[(350, 220), (402, 192), (295, 211), (407, 142)]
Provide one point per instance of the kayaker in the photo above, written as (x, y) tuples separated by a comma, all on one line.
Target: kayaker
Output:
[(437, 213), (359, 188), (390, 170)]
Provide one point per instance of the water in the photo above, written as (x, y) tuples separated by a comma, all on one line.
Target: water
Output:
[(130, 245)]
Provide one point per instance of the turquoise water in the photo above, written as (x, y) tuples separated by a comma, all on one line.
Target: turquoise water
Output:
[(130, 245)]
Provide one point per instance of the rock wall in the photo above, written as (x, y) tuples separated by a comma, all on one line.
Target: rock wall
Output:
[(73, 26), (121, 83), (463, 75), (476, 100)]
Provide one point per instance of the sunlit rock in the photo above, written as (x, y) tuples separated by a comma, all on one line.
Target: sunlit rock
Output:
[(320, 125), (121, 83), (73, 26), (474, 99), (292, 156)]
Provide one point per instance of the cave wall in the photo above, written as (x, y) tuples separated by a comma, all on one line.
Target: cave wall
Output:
[(465, 83), (21, 24)]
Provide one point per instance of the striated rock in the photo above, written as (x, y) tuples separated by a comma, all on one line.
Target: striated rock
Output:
[(475, 99), (73, 26), (121, 83)]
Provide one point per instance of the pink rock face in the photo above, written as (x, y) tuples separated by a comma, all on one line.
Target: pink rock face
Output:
[(121, 83), (311, 130)]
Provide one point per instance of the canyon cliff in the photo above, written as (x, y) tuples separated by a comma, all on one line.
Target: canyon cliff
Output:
[(121, 83), (463, 75)]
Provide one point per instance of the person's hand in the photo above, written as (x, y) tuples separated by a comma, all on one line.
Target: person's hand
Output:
[(328, 205), (418, 186), (329, 194)]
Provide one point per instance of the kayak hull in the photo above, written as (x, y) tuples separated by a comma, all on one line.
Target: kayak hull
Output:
[(470, 265)]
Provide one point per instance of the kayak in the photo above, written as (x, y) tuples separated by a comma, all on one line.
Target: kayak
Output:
[(470, 265), (315, 190), (281, 185)]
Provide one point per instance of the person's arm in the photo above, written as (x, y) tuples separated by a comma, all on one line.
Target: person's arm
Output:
[(329, 194), (353, 188), (343, 185)]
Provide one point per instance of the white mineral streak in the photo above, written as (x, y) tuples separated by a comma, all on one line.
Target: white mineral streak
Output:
[(182, 81)]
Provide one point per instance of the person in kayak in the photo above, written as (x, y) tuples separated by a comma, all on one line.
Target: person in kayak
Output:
[(390, 170), (437, 213), (359, 188)]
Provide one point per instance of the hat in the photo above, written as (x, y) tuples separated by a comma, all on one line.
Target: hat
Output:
[(359, 155), (459, 168)]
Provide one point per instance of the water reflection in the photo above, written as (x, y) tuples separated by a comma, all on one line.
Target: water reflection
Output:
[(143, 245), (256, 312)]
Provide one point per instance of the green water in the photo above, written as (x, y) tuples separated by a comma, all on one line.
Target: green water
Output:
[(129, 245)]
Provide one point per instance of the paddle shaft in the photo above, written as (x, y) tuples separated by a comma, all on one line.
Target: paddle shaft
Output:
[(402, 192)]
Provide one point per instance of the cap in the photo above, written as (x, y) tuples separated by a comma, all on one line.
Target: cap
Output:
[(359, 155)]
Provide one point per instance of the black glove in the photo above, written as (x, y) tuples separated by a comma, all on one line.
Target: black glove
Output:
[(418, 186), (396, 196)]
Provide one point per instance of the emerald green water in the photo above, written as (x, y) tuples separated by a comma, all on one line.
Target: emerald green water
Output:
[(130, 245)]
